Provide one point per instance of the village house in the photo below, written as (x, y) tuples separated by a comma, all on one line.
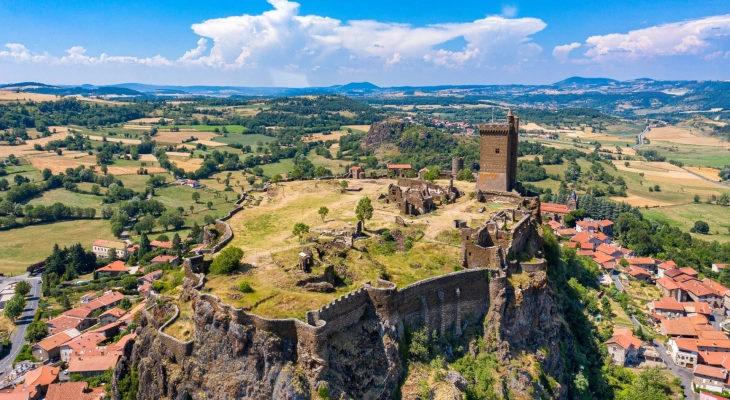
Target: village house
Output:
[(149, 278), (639, 274), (614, 252), (159, 244), (718, 267), (89, 366), (606, 227), (109, 299), (399, 170), (683, 352), (665, 266), (698, 292), (101, 248), (50, 347), (162, 259), (65, 322), (74, 391), (668, 287), (586, 226), (357, 172), (37, 381), (87, 297), (624, 347), (646, 263), (85, 344), (114, 269), (709, 378), (110, 316)]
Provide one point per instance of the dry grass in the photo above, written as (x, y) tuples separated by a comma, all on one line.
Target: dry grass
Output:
[(639, 201), (363, 128), (679, 135), (709, 173), (334, 135), (58, 164), (115, 140), (27, 148), (531, 126), (209, 143), (165, 136), (26, 97), (182, 328), (150, 120), (667, 173)]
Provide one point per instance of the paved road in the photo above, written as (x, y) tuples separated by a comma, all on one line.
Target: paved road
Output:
[(641, 137), (617, 282), (18, 339), (684, 374)]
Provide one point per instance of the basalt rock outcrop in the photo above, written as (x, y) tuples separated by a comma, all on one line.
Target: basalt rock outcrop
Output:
[(351, 348)]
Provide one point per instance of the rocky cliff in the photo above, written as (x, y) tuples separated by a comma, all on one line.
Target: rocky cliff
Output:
[(227, 359)]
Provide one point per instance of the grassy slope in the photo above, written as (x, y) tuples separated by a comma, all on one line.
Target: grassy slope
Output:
[(684, 216), (25, 246), (67, 198)]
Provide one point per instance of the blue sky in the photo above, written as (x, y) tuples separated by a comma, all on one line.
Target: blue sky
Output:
[(389, 43)]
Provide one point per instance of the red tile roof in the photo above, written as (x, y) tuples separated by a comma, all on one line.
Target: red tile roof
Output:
[(689, 271), (696, 288), (116, 266), (43, 376), (667, 305), (567, 232), (87, 342), (602, 257), (713, 372), (586, 253), (57, 340), (554, 208), (164, 245), (78, 312), (600, 236), (719, 289), (117, 312), (641, 261), (162, 259), (63, 323), (625, 340), (571, 245), (678, 327), (635, 272), (667, 283), (75, 391), (581, 237), (605, 223), (673, 273), (103, 301), (92, 364)]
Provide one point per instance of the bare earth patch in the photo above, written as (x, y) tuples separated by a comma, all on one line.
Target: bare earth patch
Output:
[(115, 140), (712, 174), (178, 137), (639, 201), (679, 135), (363, 128), (666, 172), (209, 143), (27, 148)]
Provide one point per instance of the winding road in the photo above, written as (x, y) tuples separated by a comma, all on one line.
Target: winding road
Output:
[(17, 340)]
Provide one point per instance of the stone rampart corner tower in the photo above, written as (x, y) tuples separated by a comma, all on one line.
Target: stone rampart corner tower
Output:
[(498, 155)]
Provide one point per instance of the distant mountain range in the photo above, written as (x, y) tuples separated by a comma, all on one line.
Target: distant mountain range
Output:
[(608, 95), (574, 84)]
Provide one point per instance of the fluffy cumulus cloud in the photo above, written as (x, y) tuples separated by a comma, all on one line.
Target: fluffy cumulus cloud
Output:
[(281, 38), (704, 37), (561, 52)]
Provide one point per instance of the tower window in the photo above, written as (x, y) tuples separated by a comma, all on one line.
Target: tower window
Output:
[(496, 150)]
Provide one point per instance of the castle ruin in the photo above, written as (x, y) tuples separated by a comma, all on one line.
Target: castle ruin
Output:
[(498, 156)]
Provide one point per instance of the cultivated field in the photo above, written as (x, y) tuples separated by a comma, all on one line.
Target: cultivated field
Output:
[(361, 128), (31, 244), (684, 216), (67, 198), (712, 174), (680, 135), (58, 164), (27, 148), (6, 96)]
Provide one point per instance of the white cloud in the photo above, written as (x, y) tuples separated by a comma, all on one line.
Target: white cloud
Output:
[(283, 37), (269, 38), (76, 55), (714, 55), (561, 52), (691, 37), (394, 60)]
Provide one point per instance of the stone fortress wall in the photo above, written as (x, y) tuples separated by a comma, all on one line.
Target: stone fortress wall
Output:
[(446, 304)]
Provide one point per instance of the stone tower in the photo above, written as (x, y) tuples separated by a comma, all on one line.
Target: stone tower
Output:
[(572, 201), (498, 155), (457, 164)]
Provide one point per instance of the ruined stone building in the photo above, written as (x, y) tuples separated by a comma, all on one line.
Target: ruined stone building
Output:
[(417, 197), (498, 156)]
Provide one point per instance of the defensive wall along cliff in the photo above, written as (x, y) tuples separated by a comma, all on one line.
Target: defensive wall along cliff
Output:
[(446, 304)]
